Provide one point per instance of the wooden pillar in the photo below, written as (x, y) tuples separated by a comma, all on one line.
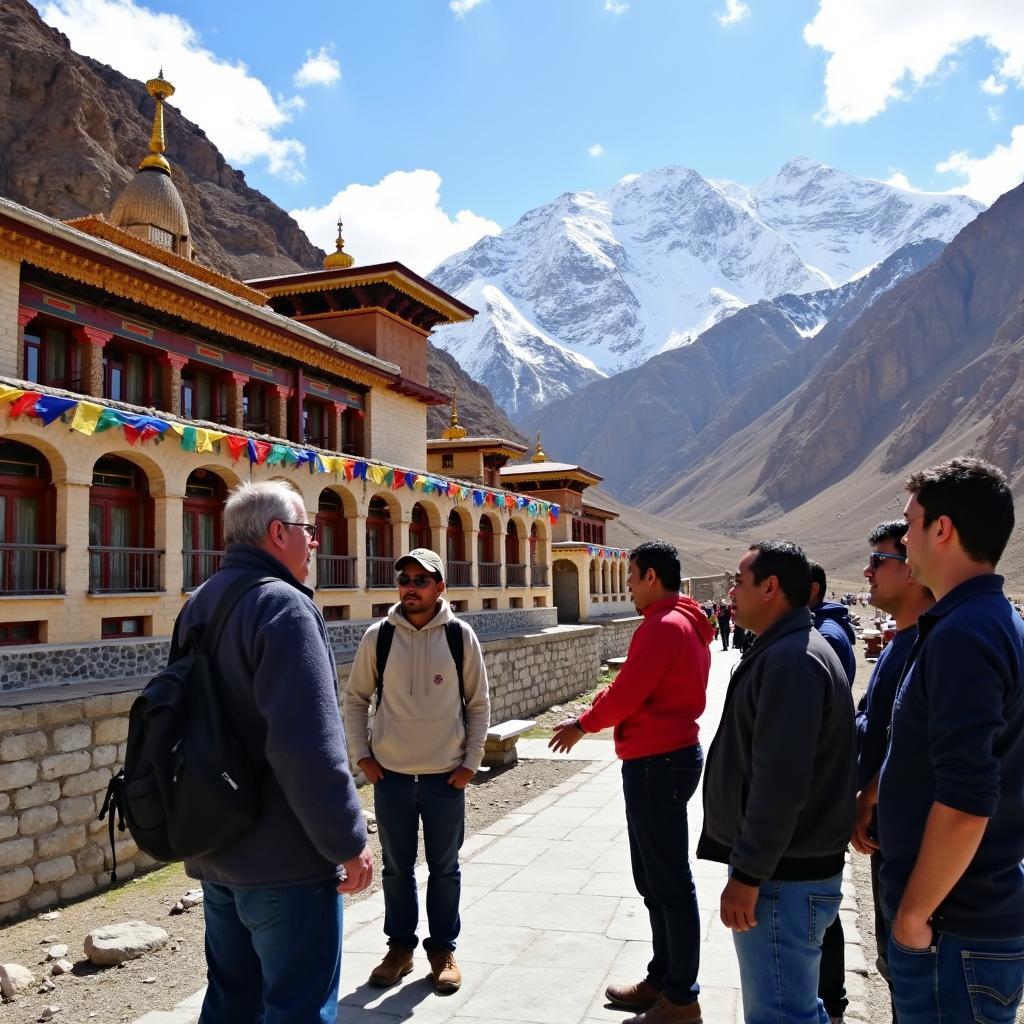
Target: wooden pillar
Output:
[(236, 406), (92, 341), (334, 428), (279, 396), (25, 317), (173, 365), (298, 433)]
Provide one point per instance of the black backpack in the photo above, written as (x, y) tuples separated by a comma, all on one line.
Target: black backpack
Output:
[(452, 633), (187, 787)]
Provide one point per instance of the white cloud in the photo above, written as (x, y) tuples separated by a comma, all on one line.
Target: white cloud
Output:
[(399, 218), (320, 69), (994, 114), (880, 51), (596, 149), (899, 180), (235, 109), (615, 7), (988, 177), (993, 86), (462, 7), (734, 11)]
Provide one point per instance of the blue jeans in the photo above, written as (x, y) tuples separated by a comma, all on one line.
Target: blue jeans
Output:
[(779, 958), (656, 790), (957, 979), (400, 803), (273, 955)]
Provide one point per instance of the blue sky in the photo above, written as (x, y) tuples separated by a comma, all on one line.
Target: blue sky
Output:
[(491, 107)]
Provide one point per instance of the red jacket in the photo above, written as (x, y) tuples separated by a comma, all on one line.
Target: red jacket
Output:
[(659, 694)]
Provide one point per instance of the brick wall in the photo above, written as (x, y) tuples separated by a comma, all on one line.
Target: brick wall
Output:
[(10, 273), (395, 429), (616, 634), (56, 758)]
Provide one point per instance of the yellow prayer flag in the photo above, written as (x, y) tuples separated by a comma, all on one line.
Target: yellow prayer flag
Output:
[(9, 394), (87, 415)]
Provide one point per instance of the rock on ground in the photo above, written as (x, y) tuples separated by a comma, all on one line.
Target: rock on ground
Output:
[(116, 943), (14, 979)]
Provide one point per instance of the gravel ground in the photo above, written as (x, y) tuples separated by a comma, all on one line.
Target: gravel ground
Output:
[(91, 995)]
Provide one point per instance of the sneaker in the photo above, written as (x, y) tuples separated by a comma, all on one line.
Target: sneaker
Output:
[(640, 996), (396, 964), (664, 1011), (444, 971)]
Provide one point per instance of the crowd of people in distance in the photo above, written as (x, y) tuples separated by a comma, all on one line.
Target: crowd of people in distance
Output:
[(926, 776)]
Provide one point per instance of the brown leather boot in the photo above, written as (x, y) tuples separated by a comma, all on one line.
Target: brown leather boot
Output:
[(638, 996), (444, 971), (396, 964), (664, 1011)]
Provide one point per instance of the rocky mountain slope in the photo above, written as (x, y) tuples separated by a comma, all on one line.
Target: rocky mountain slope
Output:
[(595, 283), (72, 132), (933, 369), (647, 425)]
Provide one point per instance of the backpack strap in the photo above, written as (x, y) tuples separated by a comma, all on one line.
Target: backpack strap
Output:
[(385, 635)]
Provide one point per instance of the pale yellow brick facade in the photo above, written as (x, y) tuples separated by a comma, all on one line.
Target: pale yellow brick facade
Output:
[(396, 429), (10, 274)]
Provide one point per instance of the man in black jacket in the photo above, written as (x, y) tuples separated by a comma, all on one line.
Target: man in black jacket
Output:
[(779, 789), (273, 898)]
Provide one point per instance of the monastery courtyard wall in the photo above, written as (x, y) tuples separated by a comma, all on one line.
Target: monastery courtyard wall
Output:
[(59, 746)]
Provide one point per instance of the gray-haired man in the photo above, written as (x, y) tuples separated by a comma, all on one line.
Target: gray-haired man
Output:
[(272, 899)]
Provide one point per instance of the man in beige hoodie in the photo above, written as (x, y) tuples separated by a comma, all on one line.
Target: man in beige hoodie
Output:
[(420, 747)]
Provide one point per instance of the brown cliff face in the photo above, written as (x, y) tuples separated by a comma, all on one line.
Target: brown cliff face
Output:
[(72, 132)]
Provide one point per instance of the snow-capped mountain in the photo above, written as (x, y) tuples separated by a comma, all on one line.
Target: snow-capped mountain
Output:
[(594, 283)]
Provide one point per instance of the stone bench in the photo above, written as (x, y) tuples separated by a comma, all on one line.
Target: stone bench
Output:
[(614, 664), (500, 745)]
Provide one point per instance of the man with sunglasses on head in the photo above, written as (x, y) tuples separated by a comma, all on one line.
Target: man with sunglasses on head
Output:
[(894, 591), (951, 787), (273, 898), (419, 750)]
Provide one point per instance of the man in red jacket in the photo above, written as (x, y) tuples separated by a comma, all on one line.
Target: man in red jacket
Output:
[(654, 704)]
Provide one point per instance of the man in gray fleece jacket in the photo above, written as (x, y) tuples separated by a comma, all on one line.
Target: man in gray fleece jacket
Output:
[(779, 789), (272, 899), (419, 751)]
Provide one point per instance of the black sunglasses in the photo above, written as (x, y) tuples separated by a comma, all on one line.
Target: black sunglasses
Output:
[(876, 558), (419, 582), (312, 529)]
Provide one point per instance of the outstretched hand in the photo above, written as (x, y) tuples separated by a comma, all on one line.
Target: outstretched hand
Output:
[(567, 734)]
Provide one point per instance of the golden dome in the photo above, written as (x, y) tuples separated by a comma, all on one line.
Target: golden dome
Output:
[(339, 259)]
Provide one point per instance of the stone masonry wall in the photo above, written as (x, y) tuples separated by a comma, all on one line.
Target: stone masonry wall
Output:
[(57, 756), (55, 762), (616, 634)]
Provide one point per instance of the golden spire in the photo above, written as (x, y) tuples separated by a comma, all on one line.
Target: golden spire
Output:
[(454, 432), (160, 90), (339, 259), (539, 455)]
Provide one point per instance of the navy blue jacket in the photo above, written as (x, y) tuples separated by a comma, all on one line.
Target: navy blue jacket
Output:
[(958, 739), (832, 621), (875, 709), (280, 691)]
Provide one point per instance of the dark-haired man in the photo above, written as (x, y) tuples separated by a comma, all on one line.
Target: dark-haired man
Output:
[(422, 746), (654, 703), (779, 789), (951, 789), (832, 621), (895, 591)]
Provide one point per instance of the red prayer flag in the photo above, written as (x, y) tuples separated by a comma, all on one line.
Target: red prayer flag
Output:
[(399, 482), (26, 403), (236, 445)]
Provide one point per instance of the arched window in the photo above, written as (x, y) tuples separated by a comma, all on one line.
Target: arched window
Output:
[(488, 568), (379, 555), (202, 536), (334, 566), (419, 528), (455, 552), (29, 561), (121, 554)]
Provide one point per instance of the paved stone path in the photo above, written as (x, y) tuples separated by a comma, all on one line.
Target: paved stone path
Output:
[(549, 913)]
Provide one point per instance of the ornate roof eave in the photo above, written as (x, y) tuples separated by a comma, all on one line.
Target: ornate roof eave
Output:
[(598, 512), (99, 227), (396, 275), (495, 445), (515, 474), (412, 389), (51, 245)]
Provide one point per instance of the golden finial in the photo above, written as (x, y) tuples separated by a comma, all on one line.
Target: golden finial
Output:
[(338, 260), (539, 454), (454, 431), (160, 90)]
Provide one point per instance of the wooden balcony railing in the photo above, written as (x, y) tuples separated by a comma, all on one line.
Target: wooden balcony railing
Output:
[(32, 568), (459, 574), (124, 570), (198, 566), (490, 574), (515, 575), (380, 572), (335, 571), (538, 575)]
